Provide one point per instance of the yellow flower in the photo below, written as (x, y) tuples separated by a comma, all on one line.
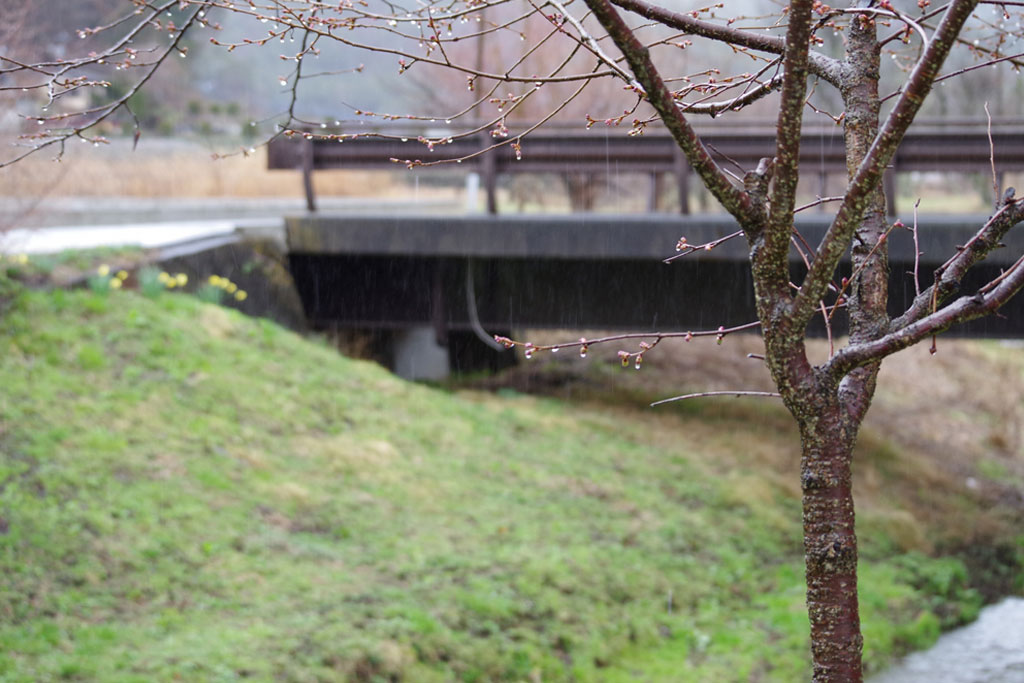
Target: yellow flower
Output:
[(164, 277), (181, 279), (21, 258), (170, 284), (115, 283), (214, 280), (232, 288), (241, 295), (103, 270), (122, 275)]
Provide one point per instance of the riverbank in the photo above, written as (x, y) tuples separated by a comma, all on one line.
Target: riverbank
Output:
[(190, 494)]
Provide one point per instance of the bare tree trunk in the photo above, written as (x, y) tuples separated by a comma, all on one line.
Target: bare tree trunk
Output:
[(830, 542), (869, 290), (830, 545), (828, 431)]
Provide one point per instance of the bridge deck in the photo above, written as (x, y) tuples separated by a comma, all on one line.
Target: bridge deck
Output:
[(593, 236), (572, 271)]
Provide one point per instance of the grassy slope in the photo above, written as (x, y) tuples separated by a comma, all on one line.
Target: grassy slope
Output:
[(186, 494)]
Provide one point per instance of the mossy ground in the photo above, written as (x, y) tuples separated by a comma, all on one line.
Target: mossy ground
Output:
[(188, 494)]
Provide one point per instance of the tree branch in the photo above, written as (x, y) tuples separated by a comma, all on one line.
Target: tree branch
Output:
[(734, 200), (821, 65), (107, 110), (735, 103), (705, 394), (962, 310), (869, 174), (770, 260), (590, 42), (949, 275)]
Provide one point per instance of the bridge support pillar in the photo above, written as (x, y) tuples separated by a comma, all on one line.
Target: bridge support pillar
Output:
[(415, 354)]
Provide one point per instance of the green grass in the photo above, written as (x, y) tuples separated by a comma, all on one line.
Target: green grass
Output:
[(187, 494)]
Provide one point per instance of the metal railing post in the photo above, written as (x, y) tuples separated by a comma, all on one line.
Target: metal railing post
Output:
[(682, 173), (489, 171), (307, 174), (889, 187)]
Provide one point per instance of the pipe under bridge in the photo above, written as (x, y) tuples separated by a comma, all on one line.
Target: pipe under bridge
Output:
[(457, 275)]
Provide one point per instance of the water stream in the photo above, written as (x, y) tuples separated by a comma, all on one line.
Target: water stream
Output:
[(990, 650)]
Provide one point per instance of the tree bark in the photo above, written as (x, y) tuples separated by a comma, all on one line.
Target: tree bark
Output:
[(830, 541), (869, 289), (830, 544)]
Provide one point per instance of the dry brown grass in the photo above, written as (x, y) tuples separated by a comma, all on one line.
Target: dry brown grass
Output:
[(176, 169)]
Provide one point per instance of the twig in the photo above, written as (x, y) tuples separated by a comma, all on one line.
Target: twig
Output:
[(583, 343), (736, 103), (992, 157), (819, 200), (828, 328), (703, 394), (684, 249), (917, 253), (992, 285), (953, 74), (107, 110), (896, 15), (594, 47), (847, 281)]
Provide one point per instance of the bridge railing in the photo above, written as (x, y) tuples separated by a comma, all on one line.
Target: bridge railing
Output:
[(952, 146)]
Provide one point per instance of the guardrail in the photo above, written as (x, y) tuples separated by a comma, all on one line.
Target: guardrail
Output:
[(963, 146)]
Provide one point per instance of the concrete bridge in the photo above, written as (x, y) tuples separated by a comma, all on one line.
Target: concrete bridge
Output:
[(450, 279), (443, 280), (428, 286)]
